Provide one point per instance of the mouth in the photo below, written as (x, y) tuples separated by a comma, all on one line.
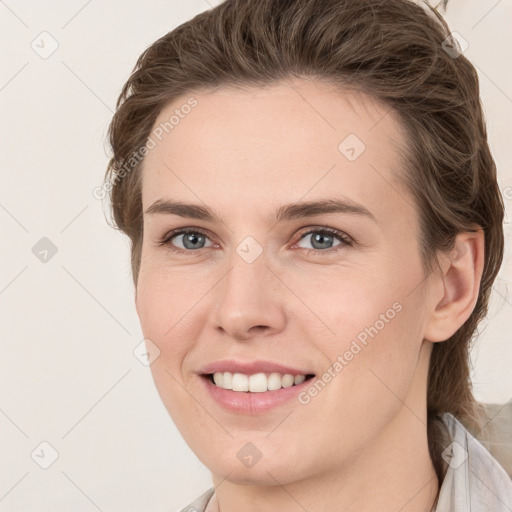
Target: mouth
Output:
[(254, 394), (255, 383)]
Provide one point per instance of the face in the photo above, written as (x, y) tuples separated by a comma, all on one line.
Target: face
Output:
[(336, 292)]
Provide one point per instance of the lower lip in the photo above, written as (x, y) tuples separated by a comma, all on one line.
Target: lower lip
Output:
[(252, 403)]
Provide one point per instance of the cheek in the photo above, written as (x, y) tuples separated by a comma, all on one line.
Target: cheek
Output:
[(372, 384), (375, 332), (165, 310), (344, 304), (166, 318), (167, 295)]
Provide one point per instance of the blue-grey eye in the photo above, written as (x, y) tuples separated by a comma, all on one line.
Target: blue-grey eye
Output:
[(189, 239), (321, 239)]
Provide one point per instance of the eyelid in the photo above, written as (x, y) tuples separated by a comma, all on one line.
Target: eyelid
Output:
[(166, 239), (345, 239)]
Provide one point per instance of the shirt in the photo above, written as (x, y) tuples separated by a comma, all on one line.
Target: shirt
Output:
[(474, 480)]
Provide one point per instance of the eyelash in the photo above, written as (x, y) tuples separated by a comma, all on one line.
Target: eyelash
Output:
[(344, 238)]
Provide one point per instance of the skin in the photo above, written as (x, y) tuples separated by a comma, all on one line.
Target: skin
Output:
[(244, 153)]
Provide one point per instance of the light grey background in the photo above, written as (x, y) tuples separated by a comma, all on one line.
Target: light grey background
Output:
[(68, 326)]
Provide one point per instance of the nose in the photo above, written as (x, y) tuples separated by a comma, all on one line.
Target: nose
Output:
[(250, 301)]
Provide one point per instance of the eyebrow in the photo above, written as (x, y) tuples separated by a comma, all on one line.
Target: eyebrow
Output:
[(287, 212)]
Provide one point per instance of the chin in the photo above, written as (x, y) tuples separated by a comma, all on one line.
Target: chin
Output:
[(273, 469)]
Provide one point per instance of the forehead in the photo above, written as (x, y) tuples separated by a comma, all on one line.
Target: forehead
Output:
[(279, 142)]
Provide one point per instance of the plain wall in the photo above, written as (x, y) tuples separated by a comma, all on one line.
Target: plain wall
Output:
[(69, 325)]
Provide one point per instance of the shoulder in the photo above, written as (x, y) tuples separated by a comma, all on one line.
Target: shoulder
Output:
[(474, 479), (496, 432), (199, 505)]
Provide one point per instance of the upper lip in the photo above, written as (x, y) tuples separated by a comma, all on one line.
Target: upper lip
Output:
[(251, 367)]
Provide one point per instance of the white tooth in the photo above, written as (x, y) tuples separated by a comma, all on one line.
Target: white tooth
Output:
[(258, 383), (299, 379), (218, 378), (227, 380), (287, 380), (240, 382), (274, 381)]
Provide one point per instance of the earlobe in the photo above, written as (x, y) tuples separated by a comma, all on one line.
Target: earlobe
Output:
[(460, 278)]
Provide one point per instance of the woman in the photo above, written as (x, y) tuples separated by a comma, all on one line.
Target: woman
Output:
[(315, 227)]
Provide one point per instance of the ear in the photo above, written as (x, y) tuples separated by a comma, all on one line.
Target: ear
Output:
[(458, 285)]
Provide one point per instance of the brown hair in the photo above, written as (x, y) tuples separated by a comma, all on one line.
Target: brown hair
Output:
[(390, 49)]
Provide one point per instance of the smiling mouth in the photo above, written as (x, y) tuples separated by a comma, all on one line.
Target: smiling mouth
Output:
[(256, 383)]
